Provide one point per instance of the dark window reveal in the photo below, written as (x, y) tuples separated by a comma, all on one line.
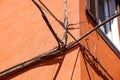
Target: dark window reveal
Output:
[(92, 9)]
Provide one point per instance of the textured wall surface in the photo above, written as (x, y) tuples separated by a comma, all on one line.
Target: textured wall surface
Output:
[(106, 57), (24, 35)]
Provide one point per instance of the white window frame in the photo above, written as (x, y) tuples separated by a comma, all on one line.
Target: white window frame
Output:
[(112, 30)]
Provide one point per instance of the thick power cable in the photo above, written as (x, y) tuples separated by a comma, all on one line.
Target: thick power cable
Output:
[(51, 54)]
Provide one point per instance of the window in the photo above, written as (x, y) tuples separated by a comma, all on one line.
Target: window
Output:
[(104, 9), (118, 10)]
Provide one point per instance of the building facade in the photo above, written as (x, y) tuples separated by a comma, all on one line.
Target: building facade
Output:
[(59, 40)]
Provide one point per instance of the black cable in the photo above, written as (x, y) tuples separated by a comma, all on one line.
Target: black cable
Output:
[(72, 35), (53, 53), (60, 22), (48, 24)]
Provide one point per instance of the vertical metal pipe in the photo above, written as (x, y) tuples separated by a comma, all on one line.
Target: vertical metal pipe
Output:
[(65, 23), (51, 54), (57, 19)]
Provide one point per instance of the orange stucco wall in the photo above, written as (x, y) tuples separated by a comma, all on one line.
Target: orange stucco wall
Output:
[(106, 57), (24, 35)]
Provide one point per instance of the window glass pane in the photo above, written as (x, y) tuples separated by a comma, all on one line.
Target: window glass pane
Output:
[(107, 8), (101, 13)]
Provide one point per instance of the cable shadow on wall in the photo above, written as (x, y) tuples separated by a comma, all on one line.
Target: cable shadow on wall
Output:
[(59, 60), (96, 66), (56, 60)]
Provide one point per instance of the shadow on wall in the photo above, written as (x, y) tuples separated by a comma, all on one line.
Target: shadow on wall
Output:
[(88, 60), (95, 65), (57, 60)]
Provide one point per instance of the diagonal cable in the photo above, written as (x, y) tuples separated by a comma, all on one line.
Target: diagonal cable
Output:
[(48, 24), (60, 22), (51, 54)]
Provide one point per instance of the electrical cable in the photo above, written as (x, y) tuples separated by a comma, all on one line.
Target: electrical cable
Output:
[(48, 24), (60, 22), (53, 53)]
